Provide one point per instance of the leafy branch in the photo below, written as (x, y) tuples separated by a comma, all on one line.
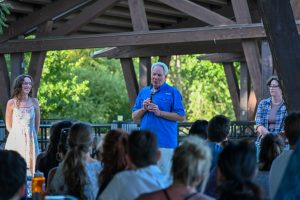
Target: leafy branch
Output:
[(4, 11)]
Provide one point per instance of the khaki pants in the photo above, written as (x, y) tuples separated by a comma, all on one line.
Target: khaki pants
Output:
[(165, 161)]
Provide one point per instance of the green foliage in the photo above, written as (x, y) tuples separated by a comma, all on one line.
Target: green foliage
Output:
[(4, 11), (204, 88), (76, 86)]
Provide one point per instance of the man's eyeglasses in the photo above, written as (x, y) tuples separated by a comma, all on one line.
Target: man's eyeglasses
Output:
[(273, 86)]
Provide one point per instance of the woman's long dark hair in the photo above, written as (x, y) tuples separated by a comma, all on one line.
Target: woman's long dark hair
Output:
[(113, 156), (17, 87), (237, 165), (55, 132), (80, 141), (270, 147)]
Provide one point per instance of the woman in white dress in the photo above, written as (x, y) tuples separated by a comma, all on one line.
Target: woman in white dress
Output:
[(22, 121)]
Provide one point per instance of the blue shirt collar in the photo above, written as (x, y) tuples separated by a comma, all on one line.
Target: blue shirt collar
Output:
[(159, 88)]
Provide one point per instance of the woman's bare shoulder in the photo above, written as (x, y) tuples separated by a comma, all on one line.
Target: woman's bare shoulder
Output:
[(11, 102)]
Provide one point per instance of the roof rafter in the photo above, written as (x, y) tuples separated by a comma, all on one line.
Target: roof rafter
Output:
[(38, 17), (198, 12), (88, 13)]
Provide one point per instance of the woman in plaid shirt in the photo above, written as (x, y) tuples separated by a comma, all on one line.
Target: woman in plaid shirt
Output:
[(271, 111)]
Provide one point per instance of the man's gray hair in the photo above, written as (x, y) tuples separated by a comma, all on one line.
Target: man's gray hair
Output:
[(163, 65)]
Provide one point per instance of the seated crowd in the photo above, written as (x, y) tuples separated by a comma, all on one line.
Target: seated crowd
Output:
[(205, 165)]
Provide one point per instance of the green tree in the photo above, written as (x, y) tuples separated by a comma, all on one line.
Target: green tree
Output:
[(4, 11), (76, 86), (203, 85)]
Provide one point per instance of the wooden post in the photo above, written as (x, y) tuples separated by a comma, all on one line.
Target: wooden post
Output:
[(16, 66), (233, 87), (284, 42), (130, 79), (244, 91), (145, 71), (4, 84), (266, 67)]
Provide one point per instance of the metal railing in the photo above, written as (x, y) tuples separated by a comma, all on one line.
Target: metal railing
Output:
[(238, 129)]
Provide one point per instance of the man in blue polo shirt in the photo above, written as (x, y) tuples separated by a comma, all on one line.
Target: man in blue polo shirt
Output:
[(158, 107)]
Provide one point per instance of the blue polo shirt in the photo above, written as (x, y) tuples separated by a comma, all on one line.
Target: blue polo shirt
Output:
[(168, 99)]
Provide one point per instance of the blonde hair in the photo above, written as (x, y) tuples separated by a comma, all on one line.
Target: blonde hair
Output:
[(191, 161)]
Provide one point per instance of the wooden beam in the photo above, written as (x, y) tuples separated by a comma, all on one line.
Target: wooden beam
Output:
[(284, 42), (38, 17), (4, 84), (156, 7), (215, 34), (251, 51), (139, 22), (266, 67), (130, 79), (138, 15), (171, 49), (233, 87), (165, 59), (214, 2), (38, 58), (16, 66), (42, 2), (17, 7), (197, 11), (86, 15), (158, 18), (145, 71), (222, 57), (244, 91)]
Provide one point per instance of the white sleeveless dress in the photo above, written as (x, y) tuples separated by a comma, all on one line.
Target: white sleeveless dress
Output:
[(22, 137)]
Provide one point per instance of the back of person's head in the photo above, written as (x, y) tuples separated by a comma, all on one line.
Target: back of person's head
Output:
[(292, 128), (199, 127), (114, 154), (55, 133), (63, 145), (240, 191), (236, 171), (270, 147), (80, 140), (237, 161), (218, 128), (12, 175), (142, 148), (191, 161)]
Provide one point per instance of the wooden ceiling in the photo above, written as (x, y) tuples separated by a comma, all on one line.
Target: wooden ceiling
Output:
[(116, 17), (65, 19)]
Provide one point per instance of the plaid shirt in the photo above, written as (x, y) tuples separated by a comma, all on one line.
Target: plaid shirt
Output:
[(262, 115)]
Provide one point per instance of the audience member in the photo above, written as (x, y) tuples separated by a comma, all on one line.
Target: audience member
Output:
[(113, 156), (144, 175), (289, 187), (48, 160), (12, 175), (78, 172), (62, 150), (191, 163), (218, 130), (270, 147), (236, 172), (199, 127), (292, 132)]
